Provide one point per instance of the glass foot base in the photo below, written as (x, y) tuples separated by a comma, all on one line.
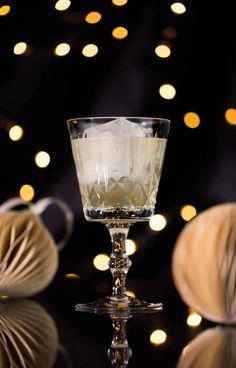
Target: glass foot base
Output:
[(128, 307)]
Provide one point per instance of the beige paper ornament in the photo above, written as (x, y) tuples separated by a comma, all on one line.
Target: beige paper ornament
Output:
[(28, 255), (215, 347), (204, 263), (28, 252), (28, 336)]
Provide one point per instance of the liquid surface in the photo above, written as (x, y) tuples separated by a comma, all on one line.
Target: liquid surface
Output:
[(118, 176)]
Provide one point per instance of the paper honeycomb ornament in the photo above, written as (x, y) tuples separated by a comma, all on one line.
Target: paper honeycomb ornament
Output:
[(28, 253), (215, 347), (28, 335), (204, 263)]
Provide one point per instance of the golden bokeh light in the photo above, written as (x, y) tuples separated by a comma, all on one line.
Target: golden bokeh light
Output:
[(191, 120), (194, 319), (157, 222), (119, 2), (130, 293), (27, 192), (130, 246), (120, 33), (42, 159), (62, 5), (20, 48), (62, 49), (93, 17), (16, 133), (178, 8), (4, 297), (230, 116), (4, 10), (187, 212), (167, 91), (158, 337), (163, 51), (72, 276), (90, 50), (100, 262)]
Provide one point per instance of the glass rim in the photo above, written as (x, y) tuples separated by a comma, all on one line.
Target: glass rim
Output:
[(71, 120)]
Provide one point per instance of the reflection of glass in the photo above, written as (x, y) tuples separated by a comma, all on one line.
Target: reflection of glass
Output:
[(119, 352), (215, 347), (28, 335), (118, 162)]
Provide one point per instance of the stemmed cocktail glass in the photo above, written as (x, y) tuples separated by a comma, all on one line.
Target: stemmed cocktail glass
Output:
[(118, 163)]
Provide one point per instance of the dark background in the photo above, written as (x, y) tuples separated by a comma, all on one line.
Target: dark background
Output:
[(40, 91)]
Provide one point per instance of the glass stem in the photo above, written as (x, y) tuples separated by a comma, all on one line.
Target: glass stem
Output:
[(119, 263)]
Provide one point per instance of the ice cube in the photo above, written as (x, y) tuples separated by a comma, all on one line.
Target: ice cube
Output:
[(120, 127), (101, 160), (109, 150)]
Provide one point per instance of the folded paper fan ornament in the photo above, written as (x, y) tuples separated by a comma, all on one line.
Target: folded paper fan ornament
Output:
[(28, 252), (204, 263), (28, 335), (215, 347)]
